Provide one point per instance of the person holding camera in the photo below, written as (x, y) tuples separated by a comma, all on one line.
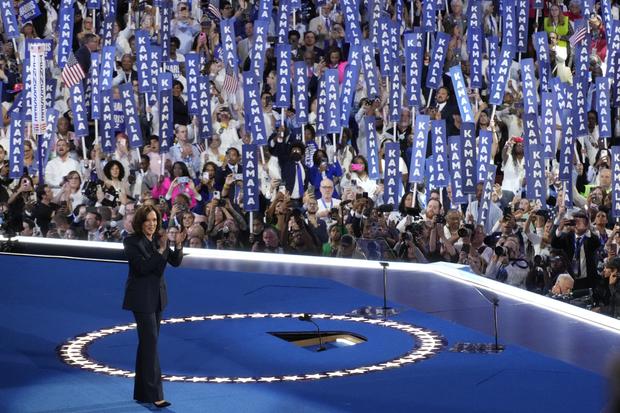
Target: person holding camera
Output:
[(573, 235), (508, 264)]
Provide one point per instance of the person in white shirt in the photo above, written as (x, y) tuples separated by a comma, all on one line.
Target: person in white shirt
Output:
[(60, 166), (327, 201)]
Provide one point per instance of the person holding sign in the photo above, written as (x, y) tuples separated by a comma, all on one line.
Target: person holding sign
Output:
[(148, 254)]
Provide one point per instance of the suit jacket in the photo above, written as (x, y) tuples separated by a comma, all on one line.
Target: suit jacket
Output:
[(566, 242), (288, 167), (222, 173), (145, 289), (82, 55)]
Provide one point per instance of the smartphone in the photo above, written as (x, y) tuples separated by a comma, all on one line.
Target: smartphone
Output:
[(205, 176), (238, 177), (282, 188), (216, 194), (353, 182), (183, 179)]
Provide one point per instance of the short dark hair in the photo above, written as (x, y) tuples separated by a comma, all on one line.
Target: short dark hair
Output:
[(140, 217), (88, 37)]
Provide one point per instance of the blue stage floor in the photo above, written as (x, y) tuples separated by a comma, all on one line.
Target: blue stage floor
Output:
[(48, 301)]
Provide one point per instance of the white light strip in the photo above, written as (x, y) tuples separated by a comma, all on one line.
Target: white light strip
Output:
[(446, 270)]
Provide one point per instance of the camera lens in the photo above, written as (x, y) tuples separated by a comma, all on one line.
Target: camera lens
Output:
[(500, 251), (463, 232)]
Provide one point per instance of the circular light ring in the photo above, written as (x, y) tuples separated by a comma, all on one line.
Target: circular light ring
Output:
[(74, 352)]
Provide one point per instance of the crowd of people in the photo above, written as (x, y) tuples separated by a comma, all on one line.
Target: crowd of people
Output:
[(316, 195)]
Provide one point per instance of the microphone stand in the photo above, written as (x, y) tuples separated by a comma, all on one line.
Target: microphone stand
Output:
[(495, 301), (376, 312), (308, 318)]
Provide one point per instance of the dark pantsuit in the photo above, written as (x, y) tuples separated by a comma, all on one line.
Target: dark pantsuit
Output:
[(147, 384)]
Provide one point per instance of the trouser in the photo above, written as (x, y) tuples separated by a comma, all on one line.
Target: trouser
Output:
[(147, 384)]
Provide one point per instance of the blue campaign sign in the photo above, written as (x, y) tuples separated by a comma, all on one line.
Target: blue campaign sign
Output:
[(392, 175), (370, 69), (166, 131), (475, 46), (603, 107), (132, 120), (143, 57), (28, 10), (535, 179), (460, 91), (455, 157), (547, 116), (251, 183), (541, 45), (530, 94), (257, 54), (438, 57), (498, 85), (440, 157), (16, 145), (254, 118), (192, 69), (468, 140), (347, 93), (485, 143), (567, 147), (418, 150), (95, 90), (372, 143), (78, 107), (9, 21), (615, 181), (65, 35), (108, 144), (204, 117), (283, 83)]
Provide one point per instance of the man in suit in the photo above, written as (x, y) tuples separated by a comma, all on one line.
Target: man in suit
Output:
[(295, 174), (231, 167), (145, 294), (446, 110), (90, 43), (574, 237)]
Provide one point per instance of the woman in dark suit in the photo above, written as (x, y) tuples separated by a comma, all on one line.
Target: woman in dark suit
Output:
[(145, 294)]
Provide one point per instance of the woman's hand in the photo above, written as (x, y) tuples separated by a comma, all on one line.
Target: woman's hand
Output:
[(162, 241), (179, 238)]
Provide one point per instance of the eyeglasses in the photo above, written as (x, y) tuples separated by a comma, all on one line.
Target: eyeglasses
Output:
[(327, 187)]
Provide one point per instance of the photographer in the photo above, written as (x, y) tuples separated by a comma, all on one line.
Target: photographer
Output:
[(573, 236), (508, 264), (545, 271), (298, 237), (22, 200), (406, 248)]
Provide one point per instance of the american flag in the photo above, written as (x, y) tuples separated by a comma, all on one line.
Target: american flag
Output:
[(580, 33), (73, 73), (231, 82), (214, 13)]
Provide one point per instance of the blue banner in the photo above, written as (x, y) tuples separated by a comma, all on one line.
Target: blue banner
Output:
[(414, 54), (485, 143), (107, 122), (522, 11), (475, 46), (300, 90), (602, 107), (283, 87), (95, 90), (484, 206), (528, 79), (132, 121), (372, 145), (332, 116), (143, 55), (264, 10), (229, 45), (9, 21), (548, 124), (108, 64), (78, 107), (108, 30), (455, 154), (498, 85), (204, 117), (65, 35), (16, 146), (373, 11), (567, 147), (418, 149), (154, 67), (460, 91), (580, 85), (254, 118), (347, 93), (370, 70), (50, 92), (615, 181), (283, 15), (192, 69), (93, 4), (391, 174), (468, 139), (395, 98), (531, 130), (352, 29), (541, 45), (384, 42), (509, 25), (257, 54), (475, 15), (51, 120), (613, 62), (493, 56), (251, 182), (165, 11), (535, 179), (28, 10), (438, 137), (607, 18), (582, 60), (164, 96), (429, 16), (438, 57)]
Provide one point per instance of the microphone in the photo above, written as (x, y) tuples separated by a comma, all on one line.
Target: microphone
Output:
[(308, 318)]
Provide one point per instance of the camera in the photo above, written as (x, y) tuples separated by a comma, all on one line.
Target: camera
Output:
[(221, 203), (501, 251), (386, 208), (463, 232), (466, 248), (441, 219), (334, 211), (238, 177)]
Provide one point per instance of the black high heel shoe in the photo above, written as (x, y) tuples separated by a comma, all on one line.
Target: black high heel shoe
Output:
[(162, 404)]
